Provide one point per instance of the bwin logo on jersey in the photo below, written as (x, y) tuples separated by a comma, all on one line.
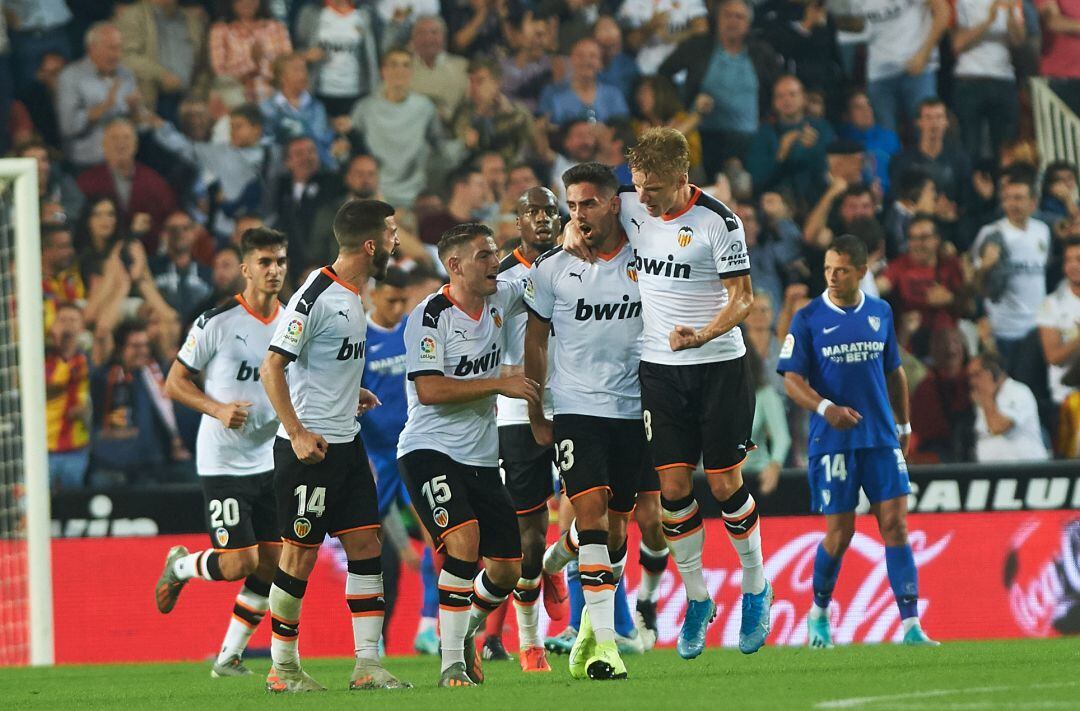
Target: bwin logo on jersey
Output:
[(685, 236), (661, 267), (350, 350), (474, 366), (607, 312), (247, 372)]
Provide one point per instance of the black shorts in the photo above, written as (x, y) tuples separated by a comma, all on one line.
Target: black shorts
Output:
[(528, 468), (698, 412), (448, 495), (602, 453), (335, 496), (240, 510)]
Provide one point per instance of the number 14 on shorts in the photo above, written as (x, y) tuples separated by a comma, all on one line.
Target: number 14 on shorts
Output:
[(315, 502)]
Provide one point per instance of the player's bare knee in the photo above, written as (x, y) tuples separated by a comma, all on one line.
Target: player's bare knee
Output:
[(504, 573), (725, 484), (675, 487), (361, 545), (893, 530), (617, 525), (298, 561), (463, 543)]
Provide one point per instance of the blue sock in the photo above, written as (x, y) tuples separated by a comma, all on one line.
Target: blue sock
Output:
[(826, 570), (624, 621), (429, 579), (904, 579), (577, 595)]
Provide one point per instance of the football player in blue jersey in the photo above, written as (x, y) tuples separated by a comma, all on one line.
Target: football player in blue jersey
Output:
[(840, 361), (384, 375)]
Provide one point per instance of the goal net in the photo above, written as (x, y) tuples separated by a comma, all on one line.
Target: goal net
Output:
[(25, 569)]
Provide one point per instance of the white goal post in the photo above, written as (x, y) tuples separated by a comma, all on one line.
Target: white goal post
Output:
[(23, 221)]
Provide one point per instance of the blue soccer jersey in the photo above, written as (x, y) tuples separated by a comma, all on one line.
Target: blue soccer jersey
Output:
[(844, 353), (384, 375)]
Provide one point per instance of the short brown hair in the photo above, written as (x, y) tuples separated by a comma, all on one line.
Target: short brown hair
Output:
[(662, 151), (358, 221), (459, 235)]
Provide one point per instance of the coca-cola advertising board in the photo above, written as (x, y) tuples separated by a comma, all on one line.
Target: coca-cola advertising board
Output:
[(981, 575)]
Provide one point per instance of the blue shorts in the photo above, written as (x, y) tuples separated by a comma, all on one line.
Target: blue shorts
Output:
[(388, 482), (835, 478)]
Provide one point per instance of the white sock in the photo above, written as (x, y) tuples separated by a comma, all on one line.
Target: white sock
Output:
[(364, 594), (650, 582), (526, 595), (598, 584), (744, 532), (285, 620), (487, 597), (560, 553), (249, 609), (685, 535), (910, 622), (187, 568), (818, 612), (455, 604)]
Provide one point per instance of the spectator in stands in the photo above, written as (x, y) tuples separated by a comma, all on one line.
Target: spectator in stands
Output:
[(902, 54), (773, 249), (770, 429), (40, 98), (134, 424), (338, 39), (398, 18), (493, 169), (579, 144), (985, 93), (36, 28), (468, 197), (403, 131), (846, 198), (925, 280), (880, 144), (582, 95), (91, 92), (943, 158), (437, 74), (804, 35), (1007, 425), (620, 70), (166, 48), (225, 278), (67, 393), (489, 121), (244, 43), (529, 69), (788, 155), (293, 111), (1059, 206), (1058, 320), (298, 195), (613, 140), (656, 103), (54, 183), (477, 26), (136, 188), (915, 194), (241, 171), (728, 81), (182, 281), (1010, 257), (655, 29), (61, 281), (942, 413), (1061, 47)]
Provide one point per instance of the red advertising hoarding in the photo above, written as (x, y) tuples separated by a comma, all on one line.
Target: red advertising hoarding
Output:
[(981, 575)]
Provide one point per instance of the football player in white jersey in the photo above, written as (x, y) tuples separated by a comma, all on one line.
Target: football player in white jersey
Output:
[(595, 312), (526, 464), (235, 452), (697, 398), (322, 476), (449, 450)]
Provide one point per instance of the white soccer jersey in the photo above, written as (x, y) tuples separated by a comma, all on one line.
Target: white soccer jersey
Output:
[(595, 312), (634, 14), (324, 333), (443, 339), (509, 410), (227, 345), (681, 262)]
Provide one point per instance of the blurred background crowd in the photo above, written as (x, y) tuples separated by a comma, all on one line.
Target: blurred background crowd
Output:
[(165, 128)]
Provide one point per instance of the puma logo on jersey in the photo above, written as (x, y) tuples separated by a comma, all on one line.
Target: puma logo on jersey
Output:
[(350, 350), (462, 332), (474, 366), (344, 313), (607, 312), (636, 223), (576, 276), (247, 372), (661, 267), (303, 304), (241, 337)]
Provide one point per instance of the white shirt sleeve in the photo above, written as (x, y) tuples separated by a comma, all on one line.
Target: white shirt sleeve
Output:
[(729, 247), (296, 328), (201, 344), (539, 294), (511, 297), (425, 344)]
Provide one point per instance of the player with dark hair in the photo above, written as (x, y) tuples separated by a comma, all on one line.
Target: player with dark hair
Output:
[(698, 402), (235, 447), (322, 477), (449, 450), (528, 465), (840, 360)]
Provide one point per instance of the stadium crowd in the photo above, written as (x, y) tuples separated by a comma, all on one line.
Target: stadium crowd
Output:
[(163, 129)]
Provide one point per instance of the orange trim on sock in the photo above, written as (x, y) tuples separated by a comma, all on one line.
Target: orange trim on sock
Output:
[(598, 568), (597, 588), (740, 518), (283, 620), (448, 588), (244, 622), (742, 536), (338, 534), (683, 535), (280, 638), (676, 465), (687, 517), (249, 608), (369, 613)]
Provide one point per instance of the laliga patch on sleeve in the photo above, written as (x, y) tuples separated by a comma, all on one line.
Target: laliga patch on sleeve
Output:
[(530, 289), (789, 346), (293, 330), (189, 346), (429, 352)]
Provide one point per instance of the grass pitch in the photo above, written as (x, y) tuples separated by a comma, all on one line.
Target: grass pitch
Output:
[(961, 676)]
